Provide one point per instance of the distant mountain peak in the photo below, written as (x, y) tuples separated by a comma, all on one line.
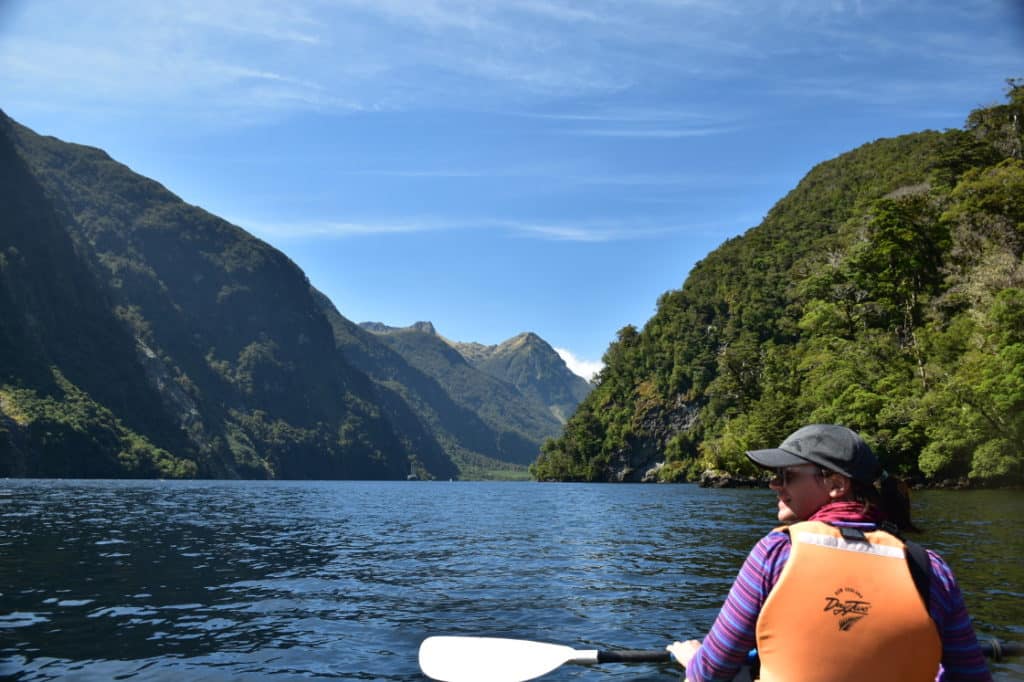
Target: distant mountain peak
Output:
[(381, 328), (478, 352), (519, 341), (526, 361), (533, 366)]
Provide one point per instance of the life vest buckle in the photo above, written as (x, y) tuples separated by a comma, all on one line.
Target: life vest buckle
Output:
[(852, 534)]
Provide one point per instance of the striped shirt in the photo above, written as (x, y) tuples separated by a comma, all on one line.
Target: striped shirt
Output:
[(733, 635)]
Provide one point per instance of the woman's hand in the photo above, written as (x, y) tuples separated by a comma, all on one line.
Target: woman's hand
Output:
[(683, 652)]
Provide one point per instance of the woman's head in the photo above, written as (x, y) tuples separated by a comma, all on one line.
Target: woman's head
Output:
[(830, 446), (822, 463)]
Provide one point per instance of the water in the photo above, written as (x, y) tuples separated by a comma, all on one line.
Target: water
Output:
[(215, 580)]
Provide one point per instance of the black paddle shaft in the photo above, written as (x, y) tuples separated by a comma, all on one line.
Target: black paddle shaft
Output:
[(992, 648), (997, 650), (633, 656)]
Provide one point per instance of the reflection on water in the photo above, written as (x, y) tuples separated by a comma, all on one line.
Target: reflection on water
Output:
[(241, 580), (981, 535)]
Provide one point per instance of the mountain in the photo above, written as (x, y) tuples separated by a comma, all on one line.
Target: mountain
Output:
[(142, 336), (530, 364), (62, 413), (884, 292), (508, 425), (478, 450)]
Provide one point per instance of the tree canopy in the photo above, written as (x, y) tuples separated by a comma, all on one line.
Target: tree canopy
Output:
[(885, 292)]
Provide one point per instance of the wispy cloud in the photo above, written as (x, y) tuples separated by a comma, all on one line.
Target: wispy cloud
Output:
[(923, 97), (655, 123), (337, 229), (368, 55), (570, 174), (578, 366), (674, 181), (622, 115), (277, 22), (655, 133), (430, 173), (574, 231), (106, 73), (560, 11)]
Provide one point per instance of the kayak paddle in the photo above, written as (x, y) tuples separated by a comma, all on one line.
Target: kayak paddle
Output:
[(998, 650), (470, 659)]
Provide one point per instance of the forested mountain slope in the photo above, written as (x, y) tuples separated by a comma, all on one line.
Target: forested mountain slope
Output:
[(136, 326), (885, 292), (57, 403)]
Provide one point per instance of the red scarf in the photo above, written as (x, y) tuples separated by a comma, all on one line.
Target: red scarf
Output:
[(848, 511)]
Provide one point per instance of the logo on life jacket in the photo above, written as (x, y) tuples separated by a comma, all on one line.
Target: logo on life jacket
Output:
[(849, 605)]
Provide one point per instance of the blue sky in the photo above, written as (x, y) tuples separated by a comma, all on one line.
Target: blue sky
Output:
[(497, 166)]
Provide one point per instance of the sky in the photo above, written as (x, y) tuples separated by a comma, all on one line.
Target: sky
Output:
[(497, 166)]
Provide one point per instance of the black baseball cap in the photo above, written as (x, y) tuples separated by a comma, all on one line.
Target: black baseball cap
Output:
[(831, 446)]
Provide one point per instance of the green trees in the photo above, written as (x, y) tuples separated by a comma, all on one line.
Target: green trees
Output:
[(975, 419), (884, 293)]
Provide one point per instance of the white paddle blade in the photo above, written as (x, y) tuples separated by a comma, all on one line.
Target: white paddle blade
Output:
[(474, 659)]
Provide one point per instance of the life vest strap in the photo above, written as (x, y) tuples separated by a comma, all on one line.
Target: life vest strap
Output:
[(920, 570), (839, 542), (852, 534), (917, 558)]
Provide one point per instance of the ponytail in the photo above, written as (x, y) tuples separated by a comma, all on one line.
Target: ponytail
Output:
[(891, 497)]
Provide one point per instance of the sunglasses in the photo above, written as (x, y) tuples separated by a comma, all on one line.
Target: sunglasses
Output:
[(785, 477)]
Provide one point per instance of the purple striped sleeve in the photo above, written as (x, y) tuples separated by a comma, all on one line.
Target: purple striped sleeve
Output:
[(733, 634), (962, 659)]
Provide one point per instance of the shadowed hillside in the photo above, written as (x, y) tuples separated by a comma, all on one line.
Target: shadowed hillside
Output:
[(208, 341), (143, 336)]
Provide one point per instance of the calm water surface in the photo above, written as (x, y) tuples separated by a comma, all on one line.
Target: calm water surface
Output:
[(216, 580)]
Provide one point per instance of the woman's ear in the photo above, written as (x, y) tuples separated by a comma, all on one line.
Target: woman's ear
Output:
[(839, 486)]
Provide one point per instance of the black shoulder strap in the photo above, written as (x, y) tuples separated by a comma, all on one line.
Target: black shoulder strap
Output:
[(920, 570), (917, 558)]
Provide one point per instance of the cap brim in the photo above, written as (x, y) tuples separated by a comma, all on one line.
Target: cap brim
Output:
[(774, 458)]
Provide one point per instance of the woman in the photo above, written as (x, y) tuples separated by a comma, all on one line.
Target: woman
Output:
[(833, 596)]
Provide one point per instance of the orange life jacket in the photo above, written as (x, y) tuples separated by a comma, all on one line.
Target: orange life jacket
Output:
[(846, 608)]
